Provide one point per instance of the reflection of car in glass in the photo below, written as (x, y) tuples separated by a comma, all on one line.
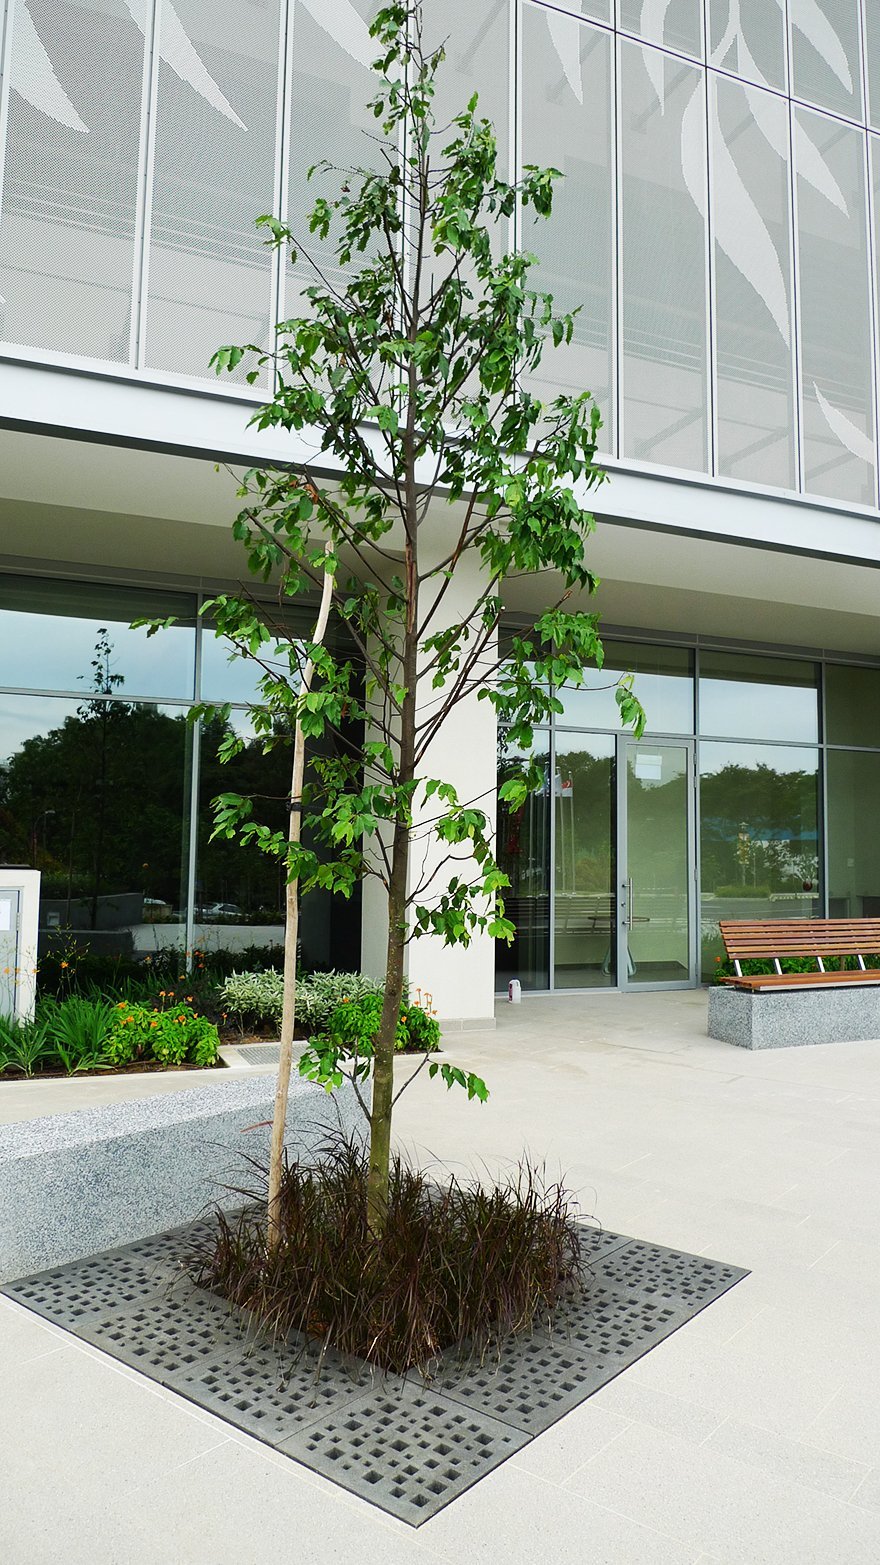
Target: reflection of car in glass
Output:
[(219, 910)]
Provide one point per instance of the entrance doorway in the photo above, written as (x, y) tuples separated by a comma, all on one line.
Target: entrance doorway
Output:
[(656, 882)]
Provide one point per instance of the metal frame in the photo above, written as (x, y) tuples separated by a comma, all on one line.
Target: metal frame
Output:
[(625, 744)]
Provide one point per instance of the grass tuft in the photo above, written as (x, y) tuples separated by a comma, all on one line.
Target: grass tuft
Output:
[(462, 1264)]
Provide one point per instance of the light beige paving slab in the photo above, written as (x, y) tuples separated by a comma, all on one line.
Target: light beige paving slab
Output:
[(773, 1163), (722, 1506), (515, 1518)]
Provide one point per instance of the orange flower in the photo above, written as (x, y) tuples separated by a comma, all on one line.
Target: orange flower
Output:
[(65, 964), (188, 999), (161, 994), (154, 1024), (181, 1018)]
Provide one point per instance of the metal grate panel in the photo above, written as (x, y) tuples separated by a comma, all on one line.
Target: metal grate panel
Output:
[(408, 1451), (271, 1391), (260, 1053), (408, 1446)]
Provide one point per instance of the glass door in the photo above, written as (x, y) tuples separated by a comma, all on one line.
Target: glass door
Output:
[(656, 864)]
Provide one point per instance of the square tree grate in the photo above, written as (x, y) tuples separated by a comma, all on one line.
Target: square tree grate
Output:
[(408, 1444)]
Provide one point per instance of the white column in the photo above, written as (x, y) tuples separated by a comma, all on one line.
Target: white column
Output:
[(461, 980)]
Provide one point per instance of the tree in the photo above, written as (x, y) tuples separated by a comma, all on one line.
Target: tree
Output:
[(407, 370)]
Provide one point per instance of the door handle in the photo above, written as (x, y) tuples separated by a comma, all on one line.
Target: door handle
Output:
[(629, 903)]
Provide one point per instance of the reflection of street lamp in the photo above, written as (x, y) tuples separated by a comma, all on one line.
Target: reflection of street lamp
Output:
[(35, 832)]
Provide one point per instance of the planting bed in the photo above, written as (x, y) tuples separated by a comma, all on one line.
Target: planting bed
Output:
[(407, 1445)]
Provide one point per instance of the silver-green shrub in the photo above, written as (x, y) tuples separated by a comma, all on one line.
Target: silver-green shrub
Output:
[(260, 996)]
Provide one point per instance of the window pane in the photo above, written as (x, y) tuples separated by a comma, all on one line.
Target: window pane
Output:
[(567, 124), (678, 23), (70, 186), (825, 53), (852, 705), (834, 309), (759, 832), (584, 901), (95, 794), (663, 265), (209, 274), (663, 683), (51, 631), (748, 39), (758, 698), (853, 852), (523, 851), (751, 202)]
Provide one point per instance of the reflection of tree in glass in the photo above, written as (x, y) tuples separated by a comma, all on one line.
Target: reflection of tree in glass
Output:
[(759, 826), (110, 779)]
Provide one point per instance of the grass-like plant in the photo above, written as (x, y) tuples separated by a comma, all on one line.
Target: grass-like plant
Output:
[(461, 1264)]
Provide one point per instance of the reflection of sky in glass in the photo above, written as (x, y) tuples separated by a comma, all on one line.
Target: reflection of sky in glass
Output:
[(668, 700), (228, 677), (716, 755), (48, 652), (761, 699), (27, 717)]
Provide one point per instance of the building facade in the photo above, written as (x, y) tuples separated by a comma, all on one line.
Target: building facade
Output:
[(718, 228)]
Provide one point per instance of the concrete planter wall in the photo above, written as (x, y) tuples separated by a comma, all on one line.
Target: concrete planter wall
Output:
[(74, 1184)]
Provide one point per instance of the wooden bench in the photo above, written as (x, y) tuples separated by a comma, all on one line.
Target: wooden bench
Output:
[(832, 1005), (824, 939)]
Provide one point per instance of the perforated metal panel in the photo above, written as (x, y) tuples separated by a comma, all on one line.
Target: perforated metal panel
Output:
[(838, 439), (331, 83), (567, 123), (747, 37), (754, 333), (214, 174), (663, 264), (678, 23), (67, 246), (408, 1451), (260, 1053), (825, 53)]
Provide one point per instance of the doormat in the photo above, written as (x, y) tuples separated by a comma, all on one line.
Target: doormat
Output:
[(408, 1445)]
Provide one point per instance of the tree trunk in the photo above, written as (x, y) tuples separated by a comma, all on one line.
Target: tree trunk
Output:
[(291, 935), (383, 1059)]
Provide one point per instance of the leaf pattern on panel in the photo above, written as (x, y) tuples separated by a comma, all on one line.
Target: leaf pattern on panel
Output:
[(178, 51), (812, 167), (809, 18), (565, 32), (693, 143), (651, 25), (33, 75), (848, 433), (740, 230), (734, 34), (345, 26)]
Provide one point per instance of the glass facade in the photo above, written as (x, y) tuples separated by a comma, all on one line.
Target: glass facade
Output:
[(716, 227), (106, 786), (745, 799)]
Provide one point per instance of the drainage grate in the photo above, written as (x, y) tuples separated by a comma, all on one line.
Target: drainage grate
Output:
[(259, 1053), (408, 1451), (407, 1446)]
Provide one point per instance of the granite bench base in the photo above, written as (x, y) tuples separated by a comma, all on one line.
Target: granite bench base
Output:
[(74, 1184), (785, 1018)]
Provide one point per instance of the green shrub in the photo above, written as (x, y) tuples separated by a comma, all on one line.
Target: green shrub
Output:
[(355, 1024), (173, 1036)]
